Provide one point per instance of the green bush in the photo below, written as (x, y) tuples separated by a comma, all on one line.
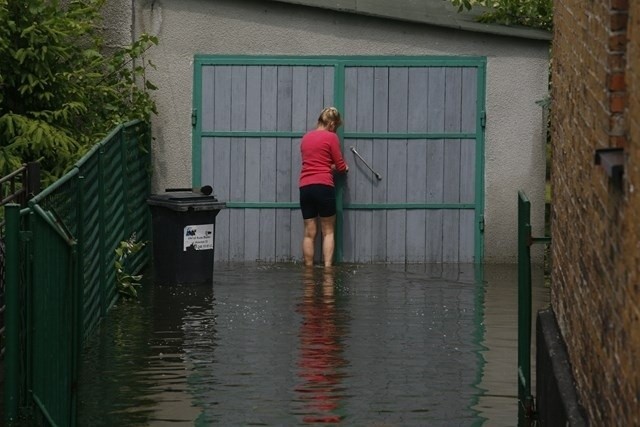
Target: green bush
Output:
[(528, 13), (126, 283), (61, 93)]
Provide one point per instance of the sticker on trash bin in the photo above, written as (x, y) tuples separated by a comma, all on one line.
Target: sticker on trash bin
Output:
[(198, 237)]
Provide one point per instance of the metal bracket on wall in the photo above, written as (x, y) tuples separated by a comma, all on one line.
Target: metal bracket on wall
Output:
[(612, 161)]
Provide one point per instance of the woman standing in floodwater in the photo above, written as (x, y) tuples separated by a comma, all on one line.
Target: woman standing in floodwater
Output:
[(321, 156)]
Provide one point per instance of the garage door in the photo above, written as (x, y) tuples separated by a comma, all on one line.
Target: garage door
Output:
[(417, 121)]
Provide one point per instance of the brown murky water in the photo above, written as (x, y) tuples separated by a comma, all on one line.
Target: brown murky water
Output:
[(363, 345)]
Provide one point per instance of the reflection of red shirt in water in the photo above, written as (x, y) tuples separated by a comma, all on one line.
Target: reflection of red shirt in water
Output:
[(320, 359), (320, 149)]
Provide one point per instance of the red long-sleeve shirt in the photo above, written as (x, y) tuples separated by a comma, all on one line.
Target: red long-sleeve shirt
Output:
[(320, 149)]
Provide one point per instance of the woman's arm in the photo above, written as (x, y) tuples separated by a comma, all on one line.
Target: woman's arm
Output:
[(336, 155)]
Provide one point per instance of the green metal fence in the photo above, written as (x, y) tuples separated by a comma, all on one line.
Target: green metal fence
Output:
[(525, 240), (60, 270), (17, 187)]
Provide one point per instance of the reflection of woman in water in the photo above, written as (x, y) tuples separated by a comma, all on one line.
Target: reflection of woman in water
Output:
[(320, 359)]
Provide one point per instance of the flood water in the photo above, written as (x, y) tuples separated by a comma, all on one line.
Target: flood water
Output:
[(281, 345)]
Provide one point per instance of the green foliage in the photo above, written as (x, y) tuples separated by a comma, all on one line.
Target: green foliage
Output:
[(127, 283), (528, 13), (60, 92)]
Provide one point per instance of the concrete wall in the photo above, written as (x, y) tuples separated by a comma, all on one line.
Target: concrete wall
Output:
[(516, 79), (596, 224)]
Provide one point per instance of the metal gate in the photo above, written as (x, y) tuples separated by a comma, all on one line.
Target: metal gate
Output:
[(418, 121), (60, 277)]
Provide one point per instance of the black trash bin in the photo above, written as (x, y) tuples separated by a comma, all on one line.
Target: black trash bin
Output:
[(184, 224)]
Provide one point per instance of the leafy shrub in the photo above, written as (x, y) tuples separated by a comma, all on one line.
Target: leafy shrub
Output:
[(60, 92), (528, 13), (127, 283)]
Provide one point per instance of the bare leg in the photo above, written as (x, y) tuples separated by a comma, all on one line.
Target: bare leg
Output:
[(310, 230), (328, 243)]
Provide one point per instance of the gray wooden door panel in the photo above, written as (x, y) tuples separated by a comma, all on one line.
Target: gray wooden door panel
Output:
[(450, 235), (363, 117), (467, 170), (451, 176), (381, 97), (436, 99), (398, 93), (222, 98), (207, 116), (350, 98), (435, 171), (253, 95), (418, 92), (416, 164), (416, 193), (469, 97), (237, 177), (467, 228), (299, 99), (283, 236), (284, 98), (435, 230), (238, 97), (269, 99), (397, 193), (251, 234), (417, 99), (379, 162), (286, 181), (349, 236), (377, 99), (221, 178), (315, 95), (262, 98), (297, 233), (267, 194), (364, 194), (258, 98), (452, 100)]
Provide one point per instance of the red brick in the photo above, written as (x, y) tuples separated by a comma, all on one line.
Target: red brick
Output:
[(618, 21), (616, 62), (618, 141), (617, 102), (617, 42), (616, 82), (620, 5)]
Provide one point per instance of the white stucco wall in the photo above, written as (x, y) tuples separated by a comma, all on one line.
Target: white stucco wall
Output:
[(516, 79)]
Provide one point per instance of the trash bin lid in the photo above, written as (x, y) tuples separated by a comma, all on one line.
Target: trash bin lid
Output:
[(185, 200)]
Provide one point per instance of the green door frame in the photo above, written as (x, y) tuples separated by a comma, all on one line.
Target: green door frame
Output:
[(340, 63)]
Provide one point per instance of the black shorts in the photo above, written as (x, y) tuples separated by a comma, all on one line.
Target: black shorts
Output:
[(317, 199)]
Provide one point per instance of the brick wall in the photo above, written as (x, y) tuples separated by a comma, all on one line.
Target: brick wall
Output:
[(595, 226), (631, 244)]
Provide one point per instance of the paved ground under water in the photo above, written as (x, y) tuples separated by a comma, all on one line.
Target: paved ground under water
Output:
[(281, 345)]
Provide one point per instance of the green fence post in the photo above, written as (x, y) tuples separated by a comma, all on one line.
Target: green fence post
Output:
[(525, 404), (102, 233), (12, 312), (338, 102)]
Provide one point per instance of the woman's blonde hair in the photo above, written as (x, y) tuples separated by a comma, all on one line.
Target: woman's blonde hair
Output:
[(330, 118)]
